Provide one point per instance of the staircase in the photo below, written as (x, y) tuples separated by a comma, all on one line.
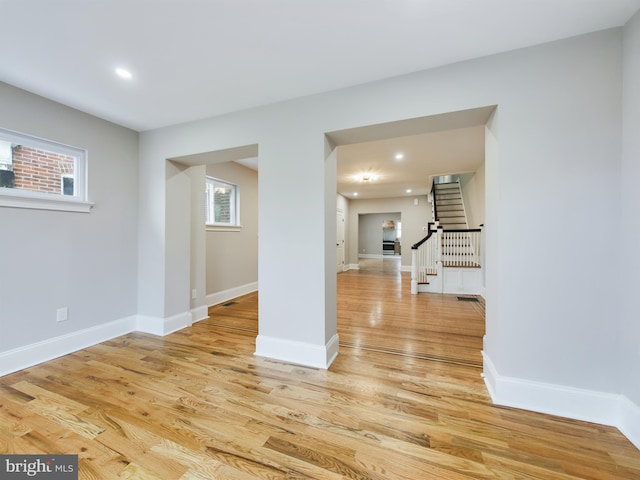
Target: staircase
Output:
[(448, 206), (448, 259)]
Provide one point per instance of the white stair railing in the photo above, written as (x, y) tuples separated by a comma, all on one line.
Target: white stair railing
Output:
[(448, 248), (461, 248), (425, 256)]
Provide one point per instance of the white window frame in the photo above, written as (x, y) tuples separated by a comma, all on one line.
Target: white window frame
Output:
[(19, 198), (211, 225)]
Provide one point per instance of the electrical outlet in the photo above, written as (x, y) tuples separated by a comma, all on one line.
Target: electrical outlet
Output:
[(62, 314), (194, 293)]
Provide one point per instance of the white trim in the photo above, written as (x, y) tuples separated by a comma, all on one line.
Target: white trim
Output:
[(300, 353), (353, 266), (234, 205), (629, 422), (163, 326), (18, 198), (211, 227), (42, 201), (220, 297), (35, 353), (405, 268), (199, 313), (569, 402)]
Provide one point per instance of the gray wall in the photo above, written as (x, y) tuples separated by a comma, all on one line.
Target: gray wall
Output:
[(473, 192), (629, 333), (559, 111), (232, 256), (84, 261), (560, 317), (413, 217), (370, 231)]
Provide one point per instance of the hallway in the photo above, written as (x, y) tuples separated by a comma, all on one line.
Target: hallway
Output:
[(377, 312)]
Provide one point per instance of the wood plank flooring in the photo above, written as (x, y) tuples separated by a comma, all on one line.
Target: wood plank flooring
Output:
[(376, 311), (197, 404)]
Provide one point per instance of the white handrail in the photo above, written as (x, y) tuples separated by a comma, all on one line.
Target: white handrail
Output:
[(425, 258), (458, 248)]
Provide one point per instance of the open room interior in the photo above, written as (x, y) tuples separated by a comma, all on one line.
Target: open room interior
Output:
[(118, 262)]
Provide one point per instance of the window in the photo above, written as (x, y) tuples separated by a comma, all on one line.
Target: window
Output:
[(67, 185), (38, 173), (222, 203)]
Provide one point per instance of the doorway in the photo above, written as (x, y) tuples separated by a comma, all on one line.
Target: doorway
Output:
[(372, 162)]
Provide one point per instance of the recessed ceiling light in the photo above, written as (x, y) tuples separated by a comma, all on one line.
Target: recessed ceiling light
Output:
[(399, 156), (123, 73), (355, 194), (408, 190)]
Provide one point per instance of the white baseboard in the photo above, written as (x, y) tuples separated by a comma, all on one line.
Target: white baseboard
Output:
[(199, 313), (353, 266), (405, 268), (300, 353), (576, 403), (629, 422), (220, 297), (163, 326), (30, 355)]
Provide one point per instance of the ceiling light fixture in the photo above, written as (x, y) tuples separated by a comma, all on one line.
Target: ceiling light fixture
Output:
[(399, 156), (367, 177), (123, 73), (355, 194), (408, 190)]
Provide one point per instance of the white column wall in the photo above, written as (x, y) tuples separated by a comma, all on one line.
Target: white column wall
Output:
[(630, 220), (559, 145)]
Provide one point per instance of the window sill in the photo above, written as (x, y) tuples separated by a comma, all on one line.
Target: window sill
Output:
[(224, 228), (43, 202)]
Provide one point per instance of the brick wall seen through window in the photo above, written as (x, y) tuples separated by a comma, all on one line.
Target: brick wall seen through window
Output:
[(42, 171)]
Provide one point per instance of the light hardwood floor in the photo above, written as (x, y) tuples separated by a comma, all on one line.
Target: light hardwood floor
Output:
[(197, 404)]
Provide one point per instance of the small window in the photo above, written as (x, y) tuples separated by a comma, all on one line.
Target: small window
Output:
[(38, 173), (68, 185), (222, 203)]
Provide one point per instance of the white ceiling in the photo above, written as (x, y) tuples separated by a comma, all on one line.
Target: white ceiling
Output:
[(193, 59), (424, 156), (451, 143)]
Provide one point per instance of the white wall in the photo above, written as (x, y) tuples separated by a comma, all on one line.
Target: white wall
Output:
[(232, 256), (629, 322), (473, 193), (559, 143), (51, 259), (553, 144)]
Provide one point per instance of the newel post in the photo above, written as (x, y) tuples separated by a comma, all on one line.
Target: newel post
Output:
[(414, 271)]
